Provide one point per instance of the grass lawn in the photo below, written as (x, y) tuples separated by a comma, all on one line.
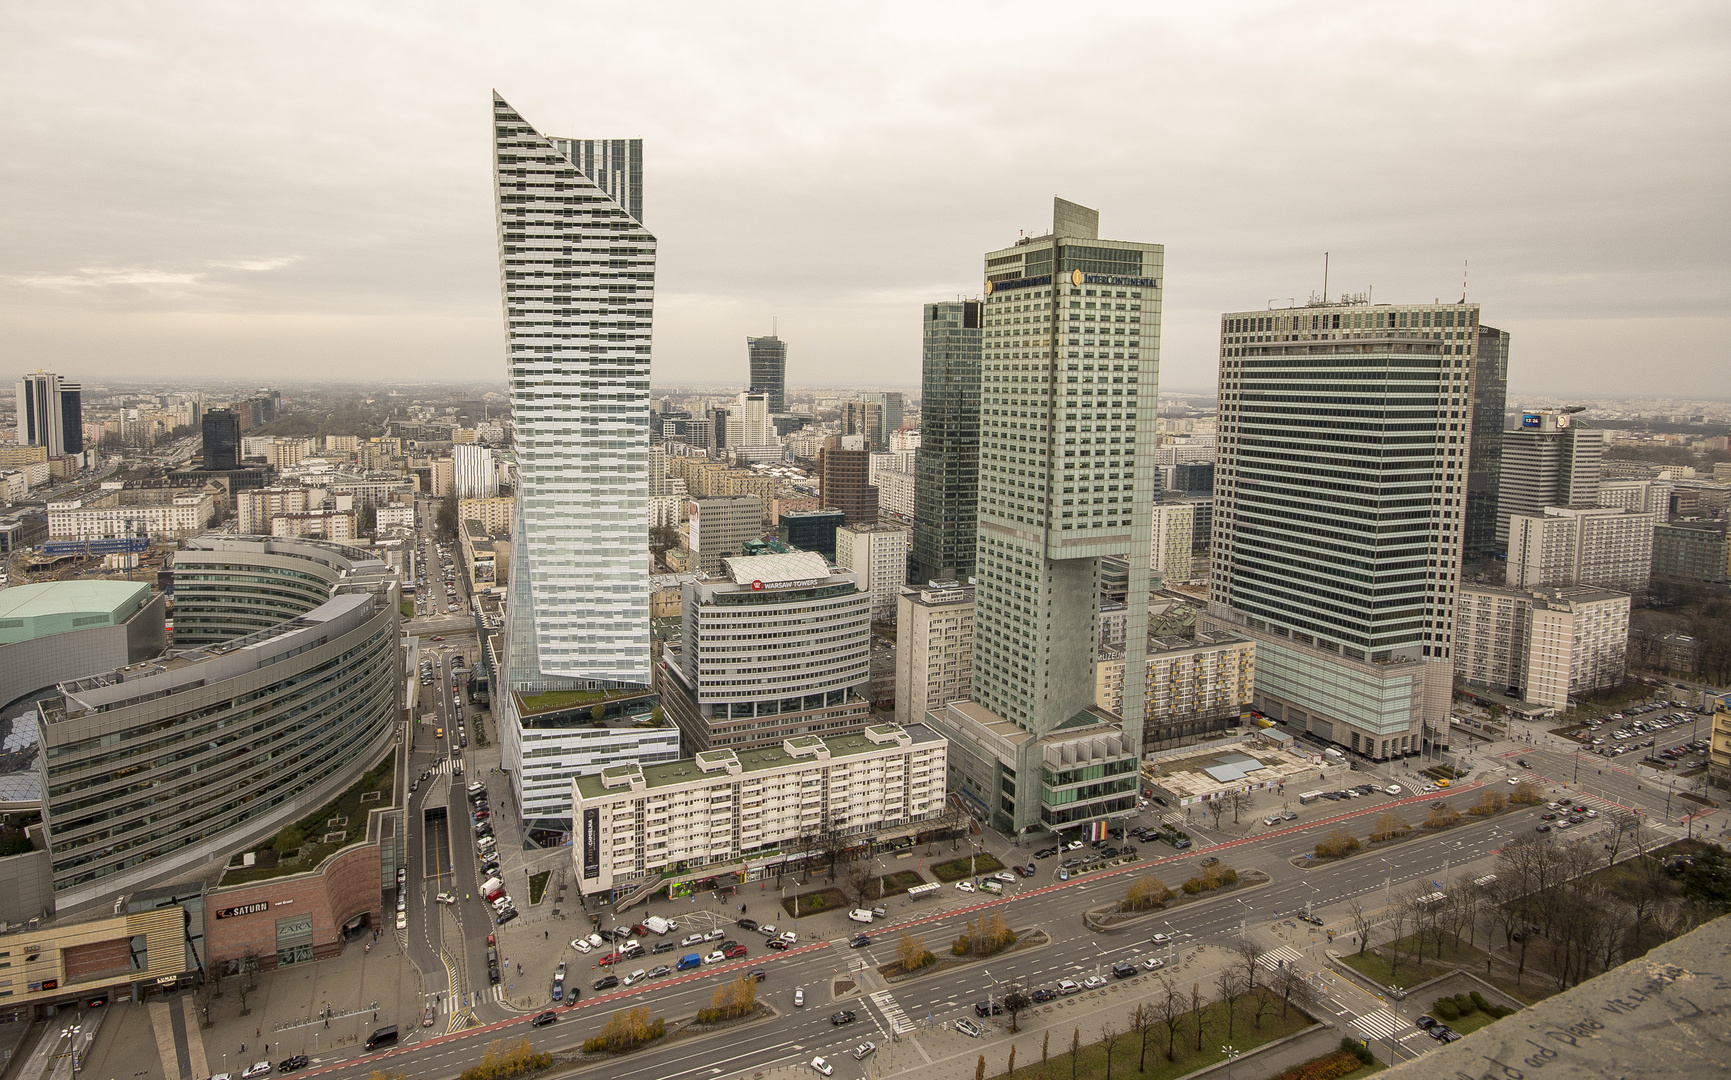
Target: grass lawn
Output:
[(1471, 1022), (956, 869), (538, 886), (1410, 971), (815, 903), (1091, 1059), (899, 882)]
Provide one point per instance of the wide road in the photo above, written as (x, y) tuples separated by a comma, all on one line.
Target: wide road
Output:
[(1075, 952)]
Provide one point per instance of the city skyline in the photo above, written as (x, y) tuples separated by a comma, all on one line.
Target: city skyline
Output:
[(338, 231)]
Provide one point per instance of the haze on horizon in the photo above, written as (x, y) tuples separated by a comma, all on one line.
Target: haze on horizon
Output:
[(230, 191)]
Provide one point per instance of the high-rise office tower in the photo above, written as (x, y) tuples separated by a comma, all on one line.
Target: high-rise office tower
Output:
[(1547, 461), (1068, 387), (767, 360), (865, 419), (1485, 461), (1339, 500), (844, 481), (50, 413), (221, 439), (889, 415), (577, 270), (947, 463)]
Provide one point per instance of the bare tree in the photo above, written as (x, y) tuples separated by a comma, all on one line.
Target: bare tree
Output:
[(1011, 1067), (1231, 985), (1216, 807), (1397, 917), (1110, 1035), (1075, 1048), (1169, 1006), (1248, 952), (857, 880), (1015, 1002), (1195, 1011), (1290, 982), (1142, 1021), (1360, 924), (1239, 801), (1045, 1046)]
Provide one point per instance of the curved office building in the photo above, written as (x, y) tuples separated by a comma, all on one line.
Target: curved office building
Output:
[(230, 586), (157, 767)]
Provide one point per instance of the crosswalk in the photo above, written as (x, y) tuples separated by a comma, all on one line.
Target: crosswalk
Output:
[(1380, 1024), (1285, 956), (886, 1003)]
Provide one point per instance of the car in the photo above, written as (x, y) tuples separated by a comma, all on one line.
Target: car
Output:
[(1073, 845), (845, 1016), (715, 935), (799, 997), (664, 946), (1063, 874), (1093, 982), (1580, 809), (1444, 1033), (257, 1068), (1006, 877), (788, 936), (1592, 813), (1045, 853), (965, 886), (864, 1050), (778, 945), (823, 1067), (1027, 871), (743, 924), (758, 974), (860, 942), (717, 957), (694, 939), (735, 952), (542, 1019), (1271, 821), (290, 1064), (402, 920), (1123, 970), (1160, 939), (606, 982), (1425, 1023), (1069, 986), (1541, 827), (988, 1008), (1288, 815), (1043, 995), (1181, 843), (1547, 817), (969, 1028), (1153, 963), (634, 978), (1522, 762)]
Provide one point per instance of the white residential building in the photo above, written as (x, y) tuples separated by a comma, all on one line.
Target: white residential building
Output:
[(895, 492), (878, 556), (733, 812), (337, 526), (254, 509), (934, 647), (1542, 646), (1643, 496), (1602, 546), (1170, 543), (905, 440), (159, 513), (475, 474)]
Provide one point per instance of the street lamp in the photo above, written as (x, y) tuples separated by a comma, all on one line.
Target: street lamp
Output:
[(1231, 1053)]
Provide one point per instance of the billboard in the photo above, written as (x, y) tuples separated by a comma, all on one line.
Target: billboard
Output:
[(592, 843)]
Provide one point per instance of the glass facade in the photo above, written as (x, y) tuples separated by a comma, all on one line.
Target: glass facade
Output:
[(947, 464), (577, 270), (767, 360)]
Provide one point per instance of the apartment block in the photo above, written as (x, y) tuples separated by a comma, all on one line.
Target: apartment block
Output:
[(1174, 525), (719, 527), (1196, 686), (736, 812), (878, 556), (1542, 646), (1692, 551), (159, 513), (254, 509), (1643, 496), (1604, 547), (496, 515), (934, 647)]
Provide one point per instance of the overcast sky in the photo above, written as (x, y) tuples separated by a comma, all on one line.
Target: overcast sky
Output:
[(304, 190)]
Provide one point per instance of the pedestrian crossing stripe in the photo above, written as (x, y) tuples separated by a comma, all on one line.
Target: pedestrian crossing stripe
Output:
[(899, 1022), (1380, 1024), (1272, 958)]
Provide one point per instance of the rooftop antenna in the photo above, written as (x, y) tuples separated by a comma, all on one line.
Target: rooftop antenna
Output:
[(1325, 277), (1464, 264)]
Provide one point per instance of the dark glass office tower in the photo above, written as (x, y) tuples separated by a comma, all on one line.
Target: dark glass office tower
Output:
[(72, 417), (947, 465), (767, 357), (1485, 463), (221, 439)]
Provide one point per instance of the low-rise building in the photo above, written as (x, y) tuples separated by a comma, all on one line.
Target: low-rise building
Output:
[(56, 631), (726, 815), (1541, 646), (159, 513), (1211, 777), (934, 647), (1692, 551), (1197, 686)]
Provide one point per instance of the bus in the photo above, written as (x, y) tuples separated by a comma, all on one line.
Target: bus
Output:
[(1309, 797), (920, 892)]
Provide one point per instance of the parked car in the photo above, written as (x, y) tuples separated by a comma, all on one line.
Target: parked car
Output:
[(1043, 995), (822, 1067), (747, 924), (969, 1028), (606, 982), (1093, 982), (1153, 963), (716, 957), (1123, 970), (988, 1008)]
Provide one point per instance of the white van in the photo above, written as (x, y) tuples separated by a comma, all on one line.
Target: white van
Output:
[(860, 915), (490, 884)]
